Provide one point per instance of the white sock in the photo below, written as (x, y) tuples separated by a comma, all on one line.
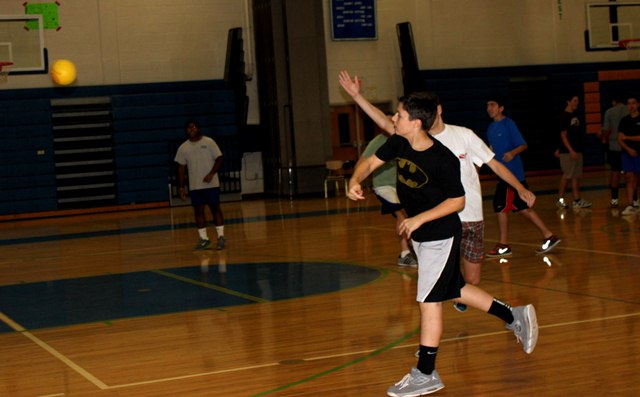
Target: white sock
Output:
[(404, 253), (203, 233), (220, 231)]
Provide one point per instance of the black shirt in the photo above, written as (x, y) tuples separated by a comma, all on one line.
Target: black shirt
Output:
[(630, 126), (569, 122), (425, 179)]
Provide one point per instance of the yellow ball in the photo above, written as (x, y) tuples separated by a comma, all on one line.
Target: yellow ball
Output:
[(63, 72)]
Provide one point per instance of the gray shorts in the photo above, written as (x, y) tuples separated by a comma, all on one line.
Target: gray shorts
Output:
[(571, 168), (439, 277)]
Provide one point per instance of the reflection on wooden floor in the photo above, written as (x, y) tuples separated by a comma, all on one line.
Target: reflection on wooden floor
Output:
[(355, 340)]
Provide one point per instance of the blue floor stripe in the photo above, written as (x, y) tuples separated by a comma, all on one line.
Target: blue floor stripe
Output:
[(231, 221), (159, 228)]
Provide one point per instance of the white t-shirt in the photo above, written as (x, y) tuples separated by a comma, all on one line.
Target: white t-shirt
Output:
[(472, 152), (199, 158)]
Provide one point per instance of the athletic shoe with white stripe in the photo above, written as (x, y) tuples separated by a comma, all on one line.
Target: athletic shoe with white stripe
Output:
[(500, 251), (548, 244)]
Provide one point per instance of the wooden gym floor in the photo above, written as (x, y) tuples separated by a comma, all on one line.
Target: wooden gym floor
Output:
[(307, 301)]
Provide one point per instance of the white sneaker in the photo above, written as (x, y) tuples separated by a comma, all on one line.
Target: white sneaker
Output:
[(629, 210), (614, 203)]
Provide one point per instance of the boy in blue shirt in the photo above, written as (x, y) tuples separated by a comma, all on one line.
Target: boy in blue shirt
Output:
[(507, 143)]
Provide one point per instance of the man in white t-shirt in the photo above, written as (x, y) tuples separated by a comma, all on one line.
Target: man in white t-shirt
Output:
[(202, 157), (472, 152)]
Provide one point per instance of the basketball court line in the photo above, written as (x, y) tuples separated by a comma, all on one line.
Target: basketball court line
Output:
[(563, 248), (197, 375), (370, 353), (559, 247), (170, 227), (68, 362), (367, 354), (210, 286)]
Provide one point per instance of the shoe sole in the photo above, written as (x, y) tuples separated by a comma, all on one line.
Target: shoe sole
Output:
[(532, 324), (552, 246), (417, 394)]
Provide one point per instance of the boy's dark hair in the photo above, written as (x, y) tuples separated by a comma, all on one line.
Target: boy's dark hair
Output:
[(191, 121), (568, 97), (618, 97), (632, 96), (421, 106), (499, 99)]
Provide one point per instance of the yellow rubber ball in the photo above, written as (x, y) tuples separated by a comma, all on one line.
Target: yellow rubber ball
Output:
[(63, 72)]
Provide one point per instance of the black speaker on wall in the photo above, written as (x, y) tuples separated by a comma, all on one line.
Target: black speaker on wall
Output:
[(234, 73), (411, 79)]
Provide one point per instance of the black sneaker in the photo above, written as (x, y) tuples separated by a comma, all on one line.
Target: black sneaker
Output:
[(548, 244), (203, 244), (407, 261)]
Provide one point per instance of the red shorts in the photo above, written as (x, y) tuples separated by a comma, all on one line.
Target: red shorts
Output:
[(506, 198)]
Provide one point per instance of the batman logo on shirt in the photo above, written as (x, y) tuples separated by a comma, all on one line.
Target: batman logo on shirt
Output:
[(410, 174)]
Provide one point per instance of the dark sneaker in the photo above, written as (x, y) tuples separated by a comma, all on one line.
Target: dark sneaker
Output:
[(548, 244), (203, 244), (525, 327), (415, 383), (407, 261), (221, 243), (500, 250), (461, 307)]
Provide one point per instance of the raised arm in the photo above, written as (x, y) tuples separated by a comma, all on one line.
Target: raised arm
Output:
[(352, 87)]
